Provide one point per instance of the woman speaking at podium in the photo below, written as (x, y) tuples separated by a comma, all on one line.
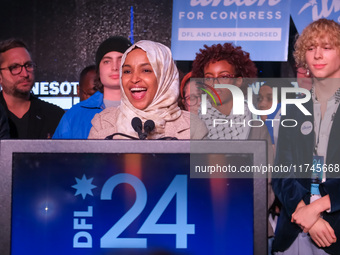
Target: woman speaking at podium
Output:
[(149, 89)]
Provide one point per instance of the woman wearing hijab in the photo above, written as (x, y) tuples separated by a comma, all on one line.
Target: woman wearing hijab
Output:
[(150, 89)]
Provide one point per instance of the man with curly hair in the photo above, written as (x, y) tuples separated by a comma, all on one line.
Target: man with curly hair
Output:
[(309, 221)]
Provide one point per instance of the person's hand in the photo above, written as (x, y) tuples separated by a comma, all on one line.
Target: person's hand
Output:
[(305, 216), (322, 233)]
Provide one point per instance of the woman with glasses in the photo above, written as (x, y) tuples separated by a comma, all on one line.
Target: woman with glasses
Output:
[(150, 89), (190, 94), (227, 64)]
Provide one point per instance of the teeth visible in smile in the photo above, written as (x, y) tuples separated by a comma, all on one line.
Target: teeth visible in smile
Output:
[(138, 89)]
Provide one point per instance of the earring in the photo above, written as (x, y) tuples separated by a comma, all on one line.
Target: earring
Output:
[(307, 73)]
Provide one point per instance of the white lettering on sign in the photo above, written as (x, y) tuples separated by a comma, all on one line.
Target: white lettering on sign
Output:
[(55, 88), (82, 239), (229, 34), (324, 12)]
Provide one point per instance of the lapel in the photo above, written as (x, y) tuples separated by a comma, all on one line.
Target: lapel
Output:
[(333, 149), (3, 102), (36, 120), (306, 146)]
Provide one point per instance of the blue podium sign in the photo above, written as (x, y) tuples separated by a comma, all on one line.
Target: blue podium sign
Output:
[(78, 198)]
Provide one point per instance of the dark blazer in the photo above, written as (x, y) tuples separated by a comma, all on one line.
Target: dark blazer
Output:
[(43, 119), (297, 149), (4, 129)]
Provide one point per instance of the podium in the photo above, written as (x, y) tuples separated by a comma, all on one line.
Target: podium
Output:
[(132, 197)]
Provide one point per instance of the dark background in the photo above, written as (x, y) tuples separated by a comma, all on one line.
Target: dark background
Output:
[(64, 35)]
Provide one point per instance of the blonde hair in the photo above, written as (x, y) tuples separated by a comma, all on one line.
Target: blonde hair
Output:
[(321, 29)]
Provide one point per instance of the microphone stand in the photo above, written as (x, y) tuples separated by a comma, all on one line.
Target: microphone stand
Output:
[(110, 137)]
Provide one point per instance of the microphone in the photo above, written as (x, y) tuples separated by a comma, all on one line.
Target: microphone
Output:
[(149, 125), (136, 123)]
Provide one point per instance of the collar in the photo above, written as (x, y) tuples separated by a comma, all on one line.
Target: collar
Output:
[(3, 101), (336, 96)]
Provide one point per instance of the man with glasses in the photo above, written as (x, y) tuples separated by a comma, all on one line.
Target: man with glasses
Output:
[(28, 116)]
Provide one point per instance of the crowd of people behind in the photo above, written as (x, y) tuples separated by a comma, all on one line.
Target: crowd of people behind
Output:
[(136, 85)]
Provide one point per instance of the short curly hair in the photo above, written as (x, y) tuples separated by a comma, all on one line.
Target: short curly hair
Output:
[(234, 55), (310, 36)]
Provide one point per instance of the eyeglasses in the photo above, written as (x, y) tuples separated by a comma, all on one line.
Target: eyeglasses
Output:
[(192, 100), (17, 68), (224, 79)]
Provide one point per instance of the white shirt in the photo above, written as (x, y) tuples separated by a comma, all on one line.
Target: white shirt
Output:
[(322, 128)]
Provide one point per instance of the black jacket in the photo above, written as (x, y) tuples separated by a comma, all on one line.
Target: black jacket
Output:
[(296, 149), (43, 119), (4, 129)]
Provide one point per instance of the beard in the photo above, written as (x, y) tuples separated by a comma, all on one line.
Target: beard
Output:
[(16, 90)]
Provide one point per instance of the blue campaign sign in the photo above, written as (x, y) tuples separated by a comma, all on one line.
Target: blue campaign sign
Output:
[(104, 204), (304, 12), (261, 27)]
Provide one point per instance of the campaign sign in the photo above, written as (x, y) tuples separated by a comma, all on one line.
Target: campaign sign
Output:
[(304, 12), (261, 27), (64, 94), (112, 203)]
